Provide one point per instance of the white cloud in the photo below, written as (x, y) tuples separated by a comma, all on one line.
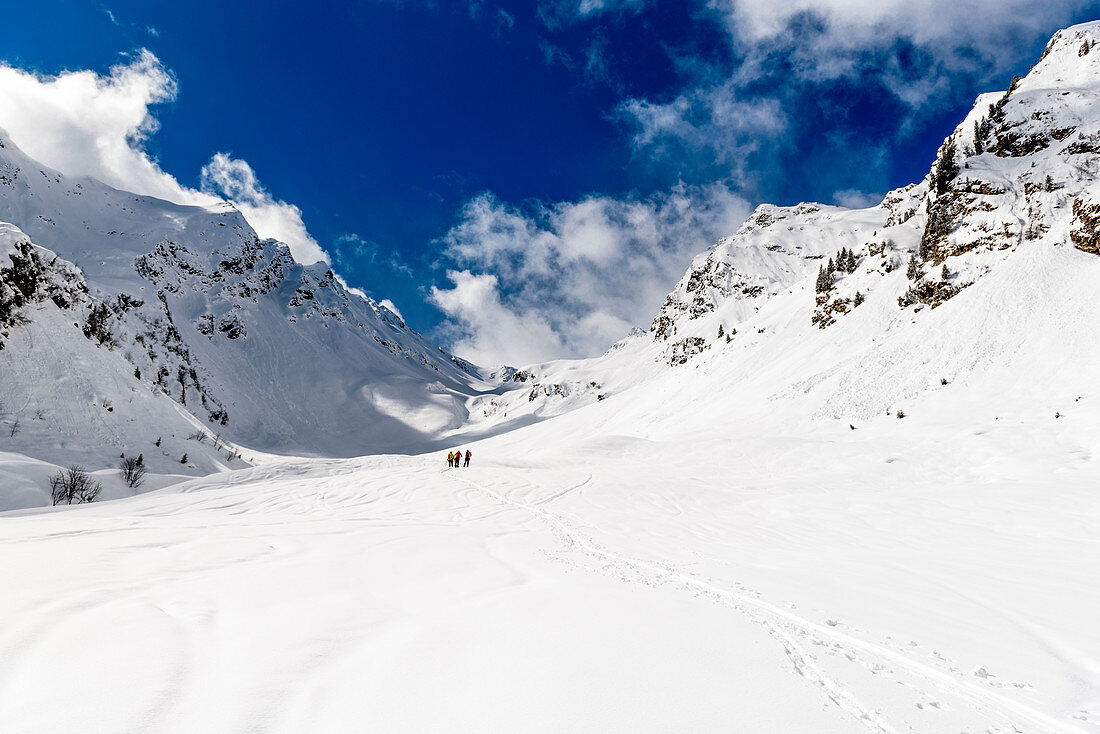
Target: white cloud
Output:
[(855, 199), (494, 333), (946, 27), (558, 11), (830, 39), (571, 278), (918, 52), (235, 180), (388, 304), (87, 124), (714, 118)]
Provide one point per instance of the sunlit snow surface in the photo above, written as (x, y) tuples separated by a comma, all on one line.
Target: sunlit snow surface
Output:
[(694, 532), (839, 583)]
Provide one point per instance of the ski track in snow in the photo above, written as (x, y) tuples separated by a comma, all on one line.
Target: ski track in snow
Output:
[(986, 702)]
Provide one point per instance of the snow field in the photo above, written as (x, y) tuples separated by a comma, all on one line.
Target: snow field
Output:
[(634, 588)]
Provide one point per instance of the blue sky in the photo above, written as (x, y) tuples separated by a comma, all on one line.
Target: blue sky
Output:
[(526, 180)]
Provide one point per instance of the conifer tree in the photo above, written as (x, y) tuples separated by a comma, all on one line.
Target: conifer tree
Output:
[(913, 272), (946, 168)]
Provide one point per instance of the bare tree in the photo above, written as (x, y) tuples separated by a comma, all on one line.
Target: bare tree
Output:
[(73, 485), (132, 471), (14, 428)]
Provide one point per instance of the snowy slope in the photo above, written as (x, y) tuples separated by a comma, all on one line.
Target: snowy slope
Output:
[(689, 533), (982, 275), (66, 396), (271, 354), (825, 583)]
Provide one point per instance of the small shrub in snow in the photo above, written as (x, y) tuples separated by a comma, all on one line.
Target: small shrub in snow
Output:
[(97, 326), (943, 380), (132, 471), (900, 413), (184, 459), (73, 485)]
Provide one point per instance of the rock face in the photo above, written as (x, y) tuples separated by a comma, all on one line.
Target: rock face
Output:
[(1019, 171), (271, 354)]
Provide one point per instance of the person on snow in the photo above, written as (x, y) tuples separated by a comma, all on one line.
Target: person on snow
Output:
[(450, 458), (468, 455), (458, 458)]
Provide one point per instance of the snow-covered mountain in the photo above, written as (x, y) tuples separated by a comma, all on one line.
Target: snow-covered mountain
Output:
[(179, 320), (720, 523), (954, 286), (978, 279)]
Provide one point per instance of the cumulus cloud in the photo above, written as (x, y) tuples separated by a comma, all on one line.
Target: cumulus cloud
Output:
[(491, 332), (87, 124), (234, 179), (571, 278)]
